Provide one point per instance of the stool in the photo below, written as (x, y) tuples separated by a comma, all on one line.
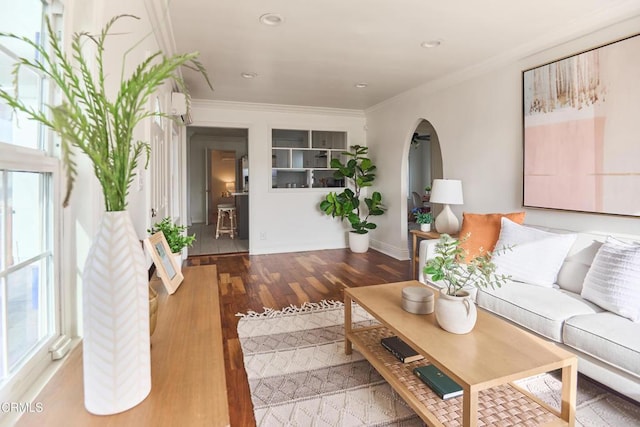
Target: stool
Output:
[(230, 228)]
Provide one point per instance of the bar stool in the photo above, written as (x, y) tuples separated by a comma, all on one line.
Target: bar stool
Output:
[(222, 227)]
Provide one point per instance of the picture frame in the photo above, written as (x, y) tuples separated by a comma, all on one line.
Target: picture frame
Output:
[(580, 117), (166, 267)]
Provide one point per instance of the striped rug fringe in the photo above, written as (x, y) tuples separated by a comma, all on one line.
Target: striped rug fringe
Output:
[(307, 307)]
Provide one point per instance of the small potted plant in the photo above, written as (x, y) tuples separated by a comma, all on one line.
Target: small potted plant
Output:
[(424, 219), (175, 236), (455, 310)]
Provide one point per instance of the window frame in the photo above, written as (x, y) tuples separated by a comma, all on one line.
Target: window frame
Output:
[(30, 374)]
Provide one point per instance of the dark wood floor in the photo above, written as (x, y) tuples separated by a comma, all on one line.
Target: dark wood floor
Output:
[(278, 280)]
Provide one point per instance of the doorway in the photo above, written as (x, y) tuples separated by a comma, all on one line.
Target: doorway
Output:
[(424, 165), (217, 174)]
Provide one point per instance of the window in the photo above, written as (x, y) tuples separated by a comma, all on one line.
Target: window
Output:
[(30, 307)]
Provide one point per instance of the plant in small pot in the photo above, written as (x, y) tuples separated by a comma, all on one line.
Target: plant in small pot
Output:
[(115, 296), (359, 171), (175, 236), (455, 310), (423, 218)]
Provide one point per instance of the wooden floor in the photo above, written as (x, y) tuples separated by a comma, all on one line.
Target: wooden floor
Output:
[(278, 280), (244, 283)]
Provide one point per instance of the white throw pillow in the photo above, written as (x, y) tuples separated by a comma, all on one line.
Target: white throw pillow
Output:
[(613, 280), (535, 257)]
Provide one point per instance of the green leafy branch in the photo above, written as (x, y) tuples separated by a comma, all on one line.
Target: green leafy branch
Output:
[(87, 119), (447, 266)]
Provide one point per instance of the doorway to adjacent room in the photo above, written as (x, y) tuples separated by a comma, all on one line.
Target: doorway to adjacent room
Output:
[(218, 175)]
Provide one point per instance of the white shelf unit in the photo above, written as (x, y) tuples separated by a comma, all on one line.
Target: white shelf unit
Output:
[(302, 158)]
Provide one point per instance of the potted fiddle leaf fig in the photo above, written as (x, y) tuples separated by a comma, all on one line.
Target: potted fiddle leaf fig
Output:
[(360, 172), (100, 124), (455, 311)]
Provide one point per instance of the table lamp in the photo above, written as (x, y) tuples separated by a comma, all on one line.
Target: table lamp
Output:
[(229, 188), (446, 192)]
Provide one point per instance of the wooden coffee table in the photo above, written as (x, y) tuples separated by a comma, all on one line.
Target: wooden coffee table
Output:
[(484, 362)]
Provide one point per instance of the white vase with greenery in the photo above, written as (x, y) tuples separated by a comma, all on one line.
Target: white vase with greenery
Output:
[(116, 343), (455, 310), (424, 219)]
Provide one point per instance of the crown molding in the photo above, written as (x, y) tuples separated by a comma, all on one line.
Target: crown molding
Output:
[(158, 12), (275, 108)]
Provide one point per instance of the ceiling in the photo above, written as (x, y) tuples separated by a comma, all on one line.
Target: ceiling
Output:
[(324, 48)]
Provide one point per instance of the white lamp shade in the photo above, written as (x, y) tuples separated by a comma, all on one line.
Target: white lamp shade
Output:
[(446, 192)]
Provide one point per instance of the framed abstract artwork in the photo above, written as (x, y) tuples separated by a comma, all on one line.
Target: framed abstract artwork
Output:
[(581, 131)]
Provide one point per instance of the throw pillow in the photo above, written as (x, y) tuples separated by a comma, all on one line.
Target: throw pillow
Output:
[(613, 280), (535, 256), (483, 231)]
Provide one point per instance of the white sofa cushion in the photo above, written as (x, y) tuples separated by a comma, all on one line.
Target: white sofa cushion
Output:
[(608, 337), (576, 264), (613, 281), (535, 256), (540, 309)]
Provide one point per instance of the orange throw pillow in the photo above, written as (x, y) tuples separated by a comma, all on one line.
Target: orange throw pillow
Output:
[(484, 231)]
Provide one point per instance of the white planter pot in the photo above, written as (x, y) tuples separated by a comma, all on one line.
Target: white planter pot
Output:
[(116, 343), (456, 314), (425, 227), (358, 243), (178, 260)]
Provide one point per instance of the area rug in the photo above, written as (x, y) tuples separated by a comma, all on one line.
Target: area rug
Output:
[(299, 376)]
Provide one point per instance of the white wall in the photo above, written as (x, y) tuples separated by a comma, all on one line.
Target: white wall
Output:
[(282, 220), (479, 125)]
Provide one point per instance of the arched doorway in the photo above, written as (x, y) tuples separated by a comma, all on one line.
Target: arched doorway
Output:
[(424, 165)]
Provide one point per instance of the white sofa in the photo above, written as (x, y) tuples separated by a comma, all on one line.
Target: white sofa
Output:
[(607, 345)]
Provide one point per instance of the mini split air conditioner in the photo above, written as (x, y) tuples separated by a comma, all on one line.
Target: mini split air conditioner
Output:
[(180, 107)]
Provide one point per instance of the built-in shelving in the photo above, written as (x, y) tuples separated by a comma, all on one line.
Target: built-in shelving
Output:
[(302, 158)]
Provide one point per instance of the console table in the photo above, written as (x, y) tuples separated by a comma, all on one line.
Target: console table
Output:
[(484, 362)]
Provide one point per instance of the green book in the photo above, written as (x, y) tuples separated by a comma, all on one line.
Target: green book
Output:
[(439, 382)]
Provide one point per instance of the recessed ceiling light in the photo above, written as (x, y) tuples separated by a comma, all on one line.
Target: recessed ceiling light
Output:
[(431, 44), (249, 75), (361, 85), (271, 19)]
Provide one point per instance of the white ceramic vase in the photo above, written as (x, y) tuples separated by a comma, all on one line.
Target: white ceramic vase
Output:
[(425, 227), (116, 342), (358, 243), (456, 314)]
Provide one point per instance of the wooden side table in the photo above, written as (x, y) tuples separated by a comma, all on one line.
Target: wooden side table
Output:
[(417, 234)]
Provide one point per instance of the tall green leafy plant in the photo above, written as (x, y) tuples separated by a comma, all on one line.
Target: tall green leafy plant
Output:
[(361, 172), (88, 119)]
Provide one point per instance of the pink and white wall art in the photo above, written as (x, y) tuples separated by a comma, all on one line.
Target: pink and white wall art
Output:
[(582, 131)]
